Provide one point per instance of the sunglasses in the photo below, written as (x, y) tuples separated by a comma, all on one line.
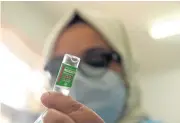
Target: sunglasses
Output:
[(97, 58)]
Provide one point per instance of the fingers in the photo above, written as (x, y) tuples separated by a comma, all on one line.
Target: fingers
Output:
[(60, 102), (65, 104), (54, 116)]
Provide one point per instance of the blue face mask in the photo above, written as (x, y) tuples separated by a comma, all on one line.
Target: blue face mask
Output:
[(105, 95), (100, 89)]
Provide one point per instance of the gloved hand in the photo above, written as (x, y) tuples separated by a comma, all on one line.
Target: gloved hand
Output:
[(63, 109)]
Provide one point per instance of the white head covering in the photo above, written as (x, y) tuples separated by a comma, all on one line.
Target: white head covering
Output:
[(113, 30)]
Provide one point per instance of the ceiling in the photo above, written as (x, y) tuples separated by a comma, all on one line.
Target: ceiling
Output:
[(36, 19)]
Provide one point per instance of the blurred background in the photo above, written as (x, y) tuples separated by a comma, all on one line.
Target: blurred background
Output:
[(154, 32)]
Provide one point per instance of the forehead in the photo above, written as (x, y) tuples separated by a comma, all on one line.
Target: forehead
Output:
[(77, 38)]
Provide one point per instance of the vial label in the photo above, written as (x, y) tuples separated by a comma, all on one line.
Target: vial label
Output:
[(66, 75)]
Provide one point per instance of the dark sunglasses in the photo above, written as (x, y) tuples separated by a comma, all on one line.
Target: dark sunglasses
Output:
[(100, 57), (94, 57)]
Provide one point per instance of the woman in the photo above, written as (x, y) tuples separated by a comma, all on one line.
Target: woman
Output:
[(101, 82)]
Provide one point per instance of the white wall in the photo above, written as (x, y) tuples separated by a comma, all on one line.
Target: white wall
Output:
[(30, 19), (15, 43), (161, 95)]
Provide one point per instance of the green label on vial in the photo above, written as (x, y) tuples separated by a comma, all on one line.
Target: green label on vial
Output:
[(66, 75)]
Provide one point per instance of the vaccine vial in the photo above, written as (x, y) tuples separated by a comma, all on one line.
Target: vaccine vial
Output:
[(66, 74), (65, 77)]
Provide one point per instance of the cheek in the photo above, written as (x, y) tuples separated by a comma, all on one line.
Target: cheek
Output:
[(115, 67)]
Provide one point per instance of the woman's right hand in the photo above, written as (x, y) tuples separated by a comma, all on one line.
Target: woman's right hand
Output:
[(63, 109)]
